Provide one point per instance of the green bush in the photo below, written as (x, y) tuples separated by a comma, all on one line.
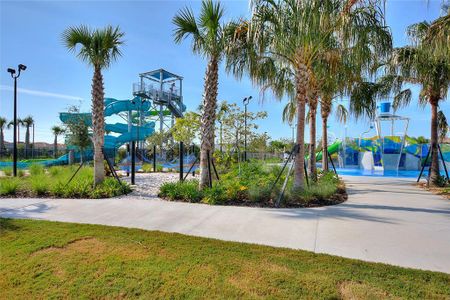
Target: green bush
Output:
[(8, 171), (40, 184), (9, 186), (440, 181), (55, 183), (215, 194), (36, 169), (20, 173), (252, 182)]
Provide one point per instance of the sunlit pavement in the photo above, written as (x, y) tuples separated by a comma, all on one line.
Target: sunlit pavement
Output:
[(384, 220)]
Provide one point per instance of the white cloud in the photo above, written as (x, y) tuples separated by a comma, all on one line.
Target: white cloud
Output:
[(40, 93)]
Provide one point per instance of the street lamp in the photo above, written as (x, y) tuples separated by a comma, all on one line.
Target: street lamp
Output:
[(20, 67), (245, 101)]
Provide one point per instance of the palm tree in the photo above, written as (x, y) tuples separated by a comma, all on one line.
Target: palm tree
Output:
[(27, 123), (3, 124), (284, 38), (56, 132), (99, 48), (422, 64), (208, 40), (222, 110), (19, 123)]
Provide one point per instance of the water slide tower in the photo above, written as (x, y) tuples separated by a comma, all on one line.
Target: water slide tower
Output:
[(164, 89), (391, 141)]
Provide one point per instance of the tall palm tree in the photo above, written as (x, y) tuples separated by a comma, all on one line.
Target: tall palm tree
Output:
[(222, 110), (3, 124), (99, 48), (27, 123), (11, 125), (284, 39), (208, 40), (57, 130), (421, 63)]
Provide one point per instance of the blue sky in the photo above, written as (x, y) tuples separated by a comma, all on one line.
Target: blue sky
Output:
[(30, 34)]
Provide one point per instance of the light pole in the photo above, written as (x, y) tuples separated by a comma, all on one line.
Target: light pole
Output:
[(245, 101), (20, 68)]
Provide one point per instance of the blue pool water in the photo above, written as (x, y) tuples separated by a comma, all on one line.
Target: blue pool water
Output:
[(386, 173)]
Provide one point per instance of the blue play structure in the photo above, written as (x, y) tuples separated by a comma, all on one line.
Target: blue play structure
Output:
[(126, 132), (157, 99)]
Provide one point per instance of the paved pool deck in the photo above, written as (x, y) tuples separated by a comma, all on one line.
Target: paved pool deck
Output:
[(385, 220)]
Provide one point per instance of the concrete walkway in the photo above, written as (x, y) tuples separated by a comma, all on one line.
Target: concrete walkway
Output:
[(385, 220)]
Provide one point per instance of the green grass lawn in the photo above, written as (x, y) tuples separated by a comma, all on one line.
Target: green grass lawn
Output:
[(40, 259)]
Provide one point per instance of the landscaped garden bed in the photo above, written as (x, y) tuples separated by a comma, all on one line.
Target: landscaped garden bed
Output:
[(251, 184), (54, 182)]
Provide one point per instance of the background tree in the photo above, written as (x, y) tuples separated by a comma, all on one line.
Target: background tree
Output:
[(27, 122), (160, 139), (208, 40), (234, 130), (57, 131), (3, 124), (186, 129), (99, 48), (11, 125), (283, 39), (77, 132), (421, 63), (259, 142), (222, 110)]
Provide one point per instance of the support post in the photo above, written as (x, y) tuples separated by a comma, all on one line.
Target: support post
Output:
[(133, 162), (181, 160), (443, 162), (154, 158), (15, 130), (209, 168), (332, 163), (423, 165)]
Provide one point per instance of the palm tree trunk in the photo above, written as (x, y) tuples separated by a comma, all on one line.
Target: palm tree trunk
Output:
[(27, 140), (302, 80), (2, 142), (312, 138), (325, 112), (434, 174), (55, 146), (98, 126), (208, 119), (324, 144)]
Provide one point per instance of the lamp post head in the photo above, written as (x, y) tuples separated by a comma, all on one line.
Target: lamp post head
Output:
[(247, 100), (22, 67), (11, 71)]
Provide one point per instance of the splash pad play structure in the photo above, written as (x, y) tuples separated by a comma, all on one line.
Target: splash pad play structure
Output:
[(391, 152), (157, 99)]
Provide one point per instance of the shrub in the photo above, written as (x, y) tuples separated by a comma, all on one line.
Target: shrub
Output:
[(8, 171), (440, 181), (40, 185), (9, 186), (20, 173), (185, 191), (214, 195), (36, 169)]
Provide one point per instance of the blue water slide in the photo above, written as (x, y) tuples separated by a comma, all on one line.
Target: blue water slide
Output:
[(114, 106)]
